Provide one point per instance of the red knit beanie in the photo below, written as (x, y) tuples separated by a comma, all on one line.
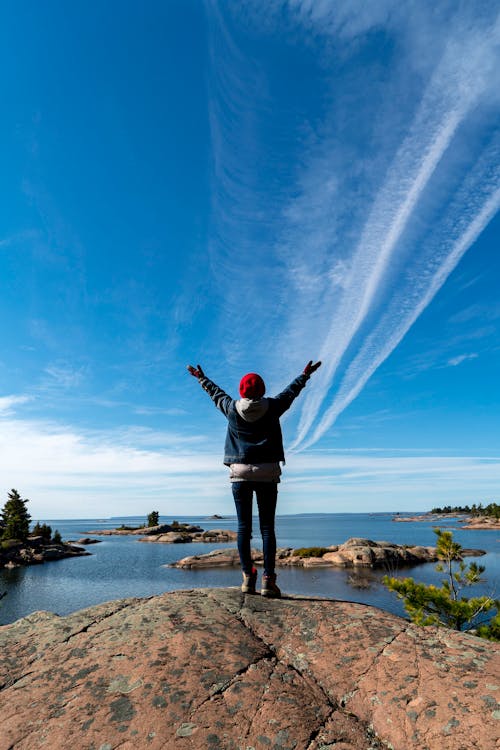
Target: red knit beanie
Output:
[(252, 386)]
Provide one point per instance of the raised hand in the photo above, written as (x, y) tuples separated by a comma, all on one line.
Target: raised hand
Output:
[(196, 372), (310, 368)]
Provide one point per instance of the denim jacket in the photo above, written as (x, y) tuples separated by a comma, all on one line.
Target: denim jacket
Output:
[(258, 441)]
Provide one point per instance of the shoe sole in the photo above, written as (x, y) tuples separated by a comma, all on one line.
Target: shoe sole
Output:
[(270, 595)]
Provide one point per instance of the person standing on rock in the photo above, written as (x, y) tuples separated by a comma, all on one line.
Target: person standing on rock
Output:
[(253, 451)]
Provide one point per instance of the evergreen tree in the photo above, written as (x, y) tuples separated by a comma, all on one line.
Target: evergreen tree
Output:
[(15, 517), (434, 605), (43, 530), (57, 537), (153, 518)]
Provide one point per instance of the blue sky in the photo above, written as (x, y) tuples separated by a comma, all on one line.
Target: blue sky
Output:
[(249, 186)]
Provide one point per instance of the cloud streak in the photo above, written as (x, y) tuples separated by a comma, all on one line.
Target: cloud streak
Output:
[(358, 257)]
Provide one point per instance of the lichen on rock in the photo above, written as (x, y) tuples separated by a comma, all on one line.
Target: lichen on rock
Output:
[(216, 668)]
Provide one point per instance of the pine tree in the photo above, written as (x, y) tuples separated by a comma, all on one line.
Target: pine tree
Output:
[(57, 537), (153, 518), (15, 517), (43, 530), (444, 605)]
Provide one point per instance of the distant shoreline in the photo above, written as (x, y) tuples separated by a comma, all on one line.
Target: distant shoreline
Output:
[(466, 520)]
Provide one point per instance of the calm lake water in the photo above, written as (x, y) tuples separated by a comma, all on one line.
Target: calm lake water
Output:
[(121, 566)]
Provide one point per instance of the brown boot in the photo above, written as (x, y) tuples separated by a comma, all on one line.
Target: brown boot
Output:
[(269, 587), (249, 582)]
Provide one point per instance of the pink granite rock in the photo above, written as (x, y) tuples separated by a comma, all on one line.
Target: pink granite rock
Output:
[(213, 536), (354, 553), (219, 670)]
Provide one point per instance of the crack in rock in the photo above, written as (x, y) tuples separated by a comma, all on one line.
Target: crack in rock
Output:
[(316, 732), (103, 617), (347, 697), (265, 690), (333, 704), (221, 689), (12, 683)]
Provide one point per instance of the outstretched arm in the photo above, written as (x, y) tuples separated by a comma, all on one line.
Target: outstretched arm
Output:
[(287, 397), (218, 396)]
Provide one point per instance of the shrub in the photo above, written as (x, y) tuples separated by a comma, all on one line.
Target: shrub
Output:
[(311, 551)]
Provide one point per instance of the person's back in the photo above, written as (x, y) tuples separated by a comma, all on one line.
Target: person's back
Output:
[(253, 451)]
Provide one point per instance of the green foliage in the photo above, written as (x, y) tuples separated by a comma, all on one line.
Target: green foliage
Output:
[(43, 530), (492, 510), (123, 527), (491, 631), (153, 518), (57, 539), (9, 544), (311, 551), (443, 605), (15, 517)]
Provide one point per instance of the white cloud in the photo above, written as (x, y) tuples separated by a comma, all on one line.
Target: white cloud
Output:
[(64, 375), (71, 473), (7, 403), (68, 473), (454, 361)]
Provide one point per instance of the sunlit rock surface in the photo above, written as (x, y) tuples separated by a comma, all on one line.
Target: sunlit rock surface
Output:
[(354, 553), (220, 670)]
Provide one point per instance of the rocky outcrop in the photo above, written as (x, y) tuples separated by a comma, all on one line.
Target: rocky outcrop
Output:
[(87, 540), (214, 536), (164, 528), (467, 522), (34, 551), (354, 553), (485, 523), (219, 670), (177, 533), (422, 517)]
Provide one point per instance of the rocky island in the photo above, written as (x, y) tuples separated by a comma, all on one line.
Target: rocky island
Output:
[(20, 545), (354, 553), (475, 517), (36, 550), (221, 670), (174, 533)]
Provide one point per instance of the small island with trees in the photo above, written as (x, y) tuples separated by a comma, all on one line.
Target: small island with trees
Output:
[(169, 533), (21, 546), (475, 516)]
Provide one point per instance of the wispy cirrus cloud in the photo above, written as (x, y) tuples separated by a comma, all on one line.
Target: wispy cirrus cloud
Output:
[(347, 257), (455, 361), (8, 404)]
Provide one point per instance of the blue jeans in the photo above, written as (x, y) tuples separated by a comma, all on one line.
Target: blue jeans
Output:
[(267, 495)]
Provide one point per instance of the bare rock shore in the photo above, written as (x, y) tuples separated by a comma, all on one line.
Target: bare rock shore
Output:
[(354, 553), (466, 522), (217, 670), (172, 534), (35, 551), (482, 523), (214, 536)]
